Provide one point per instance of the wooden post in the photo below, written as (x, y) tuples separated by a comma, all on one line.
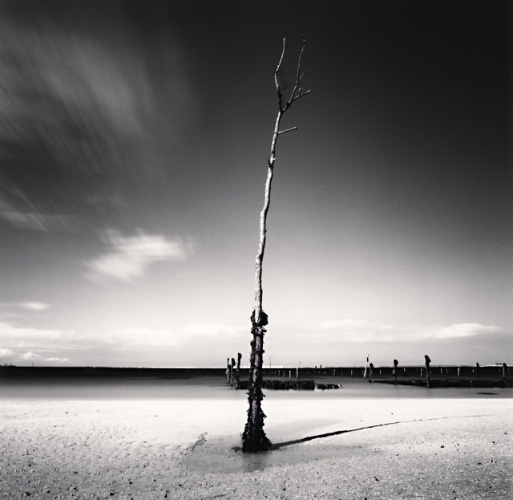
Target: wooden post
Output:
[(232, 372), (428, 370), (237, 373), (395, 371)]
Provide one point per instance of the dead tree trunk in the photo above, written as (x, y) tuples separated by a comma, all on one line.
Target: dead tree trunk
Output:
[(254, 438)]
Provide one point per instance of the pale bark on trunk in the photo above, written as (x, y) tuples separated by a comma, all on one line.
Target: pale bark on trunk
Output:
[(254, 438)]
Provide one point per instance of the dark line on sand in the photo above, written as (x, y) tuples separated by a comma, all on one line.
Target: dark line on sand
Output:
[(276, 446)]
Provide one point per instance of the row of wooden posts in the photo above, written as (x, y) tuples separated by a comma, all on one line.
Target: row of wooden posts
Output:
[(233, 371), (427, 371), (396, 364)]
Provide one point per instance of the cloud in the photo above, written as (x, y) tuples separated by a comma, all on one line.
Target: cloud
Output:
[(34, 357), (130, 338), (357, 330), (30, 356), (185, 345), (57, 360), (214, 330), (38, 221), (16, 310), (209, 344), (463, 330), (130, 257), (19, 210), (28, 306), (368, 331), (27, 343), (82, 110), (34, 306), (15, 336), (188, 345), (193, 335), (5, 352)]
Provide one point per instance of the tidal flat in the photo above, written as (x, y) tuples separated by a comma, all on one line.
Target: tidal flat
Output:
[(177, 438)]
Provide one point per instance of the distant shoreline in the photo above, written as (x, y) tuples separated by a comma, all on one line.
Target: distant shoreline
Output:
[(441, 376)]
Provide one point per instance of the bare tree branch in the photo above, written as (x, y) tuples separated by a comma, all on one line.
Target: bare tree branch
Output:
[(301, 94), (278, 86), (286, 130), (297, 91), (298, 75)]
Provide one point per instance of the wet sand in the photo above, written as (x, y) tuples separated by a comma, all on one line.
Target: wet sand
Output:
[(182, 447)]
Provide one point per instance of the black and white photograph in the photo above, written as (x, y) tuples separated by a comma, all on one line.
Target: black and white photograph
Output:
[(256, 249)]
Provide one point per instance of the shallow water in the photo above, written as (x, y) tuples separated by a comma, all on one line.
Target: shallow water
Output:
[(120, 388), (358, 388), (112, 389)]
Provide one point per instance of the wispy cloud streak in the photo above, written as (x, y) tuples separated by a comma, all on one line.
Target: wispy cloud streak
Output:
[(367, 331), (28, 306), (130, 257), (79, 108)]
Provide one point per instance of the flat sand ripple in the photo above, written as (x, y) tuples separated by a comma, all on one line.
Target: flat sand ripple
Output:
[(429, 449)]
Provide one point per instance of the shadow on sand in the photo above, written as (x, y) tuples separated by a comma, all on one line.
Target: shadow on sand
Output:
[(214, 457), (277, 446)]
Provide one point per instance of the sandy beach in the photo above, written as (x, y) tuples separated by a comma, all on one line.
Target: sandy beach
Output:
[(184, 447)]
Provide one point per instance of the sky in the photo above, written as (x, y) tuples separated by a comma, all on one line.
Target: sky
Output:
[(134, 138)]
